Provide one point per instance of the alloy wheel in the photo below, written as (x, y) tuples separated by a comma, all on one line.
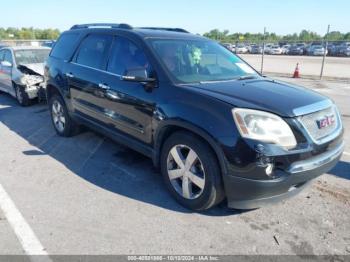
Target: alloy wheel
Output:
[(58, 116), (186, 172)]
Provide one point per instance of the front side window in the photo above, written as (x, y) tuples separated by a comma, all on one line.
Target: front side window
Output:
[(126, 55), (8, 56), (190, 61), (31, 56), (93, 50)]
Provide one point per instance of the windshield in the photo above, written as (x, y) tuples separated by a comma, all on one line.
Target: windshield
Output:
[(192, 61), (31, 56)]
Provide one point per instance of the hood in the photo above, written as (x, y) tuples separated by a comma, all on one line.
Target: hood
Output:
[(262, 94), (33, 69)]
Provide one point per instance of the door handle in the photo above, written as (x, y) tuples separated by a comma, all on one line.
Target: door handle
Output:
[(70, 75), (103, 86)]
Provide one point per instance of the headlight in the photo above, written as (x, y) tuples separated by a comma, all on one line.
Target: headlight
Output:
[(263, 126)]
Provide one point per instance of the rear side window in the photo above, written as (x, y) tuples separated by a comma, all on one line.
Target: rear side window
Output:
[(63, 47), (93, 50)]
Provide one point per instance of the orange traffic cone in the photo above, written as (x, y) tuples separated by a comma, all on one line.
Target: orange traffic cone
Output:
[(296, 72)]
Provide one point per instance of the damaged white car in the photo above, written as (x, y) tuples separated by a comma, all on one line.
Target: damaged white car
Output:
[(22, 72)]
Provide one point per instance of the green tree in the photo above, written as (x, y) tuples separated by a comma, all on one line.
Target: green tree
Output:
[(28, 33)]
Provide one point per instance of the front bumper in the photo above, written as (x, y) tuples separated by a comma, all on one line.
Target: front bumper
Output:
[(243, 193), (36, 91)]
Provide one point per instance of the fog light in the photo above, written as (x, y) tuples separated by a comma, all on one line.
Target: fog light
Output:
[(269, 169)]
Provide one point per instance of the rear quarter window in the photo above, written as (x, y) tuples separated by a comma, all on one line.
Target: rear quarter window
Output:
[(64, 46)]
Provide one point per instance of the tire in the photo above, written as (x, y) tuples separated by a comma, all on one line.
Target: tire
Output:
[(207, 190), (21, 96), (64, 125)]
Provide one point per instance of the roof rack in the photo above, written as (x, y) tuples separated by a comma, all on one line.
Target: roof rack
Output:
[(120, 26), (166, 29)]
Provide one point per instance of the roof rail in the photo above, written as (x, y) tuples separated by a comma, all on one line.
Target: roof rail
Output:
[(166, 29), (120, 26)]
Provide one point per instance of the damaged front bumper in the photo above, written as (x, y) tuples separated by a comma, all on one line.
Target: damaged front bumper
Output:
[(30, 78), (36, 91)]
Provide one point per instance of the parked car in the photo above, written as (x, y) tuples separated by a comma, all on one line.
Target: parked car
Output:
[(214, 126), (48, 43), (22, 72), (333, 48), (229, 46), (309, 48), (285, 49), (268, 47), (344, 49), (249, 47), (317, 50), (241, 49), (275, 50), (256, 49), (296, 50)]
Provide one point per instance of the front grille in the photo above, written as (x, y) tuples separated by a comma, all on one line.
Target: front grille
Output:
[(310, 123)]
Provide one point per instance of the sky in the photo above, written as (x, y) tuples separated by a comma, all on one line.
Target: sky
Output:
[(197, 16)]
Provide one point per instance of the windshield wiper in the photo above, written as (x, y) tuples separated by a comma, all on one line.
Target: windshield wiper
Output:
[(246, 77)]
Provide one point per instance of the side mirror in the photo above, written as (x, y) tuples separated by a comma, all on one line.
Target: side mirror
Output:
[(137, 75), (6, 63)]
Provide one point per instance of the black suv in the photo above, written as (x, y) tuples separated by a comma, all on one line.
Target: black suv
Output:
[(214, 126)]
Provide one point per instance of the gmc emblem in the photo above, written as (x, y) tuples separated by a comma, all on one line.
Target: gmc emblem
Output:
[(325, 121)]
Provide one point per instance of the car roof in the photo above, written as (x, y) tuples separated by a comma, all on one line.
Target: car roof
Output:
[(159, 33), (143, 32)]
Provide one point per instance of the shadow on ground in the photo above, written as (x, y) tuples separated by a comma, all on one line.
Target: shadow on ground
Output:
[(94, 158), (342, 169)]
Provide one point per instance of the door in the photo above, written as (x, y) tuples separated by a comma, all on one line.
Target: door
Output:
[(2, 87), (128, 104), (6, 71), (84, 75)]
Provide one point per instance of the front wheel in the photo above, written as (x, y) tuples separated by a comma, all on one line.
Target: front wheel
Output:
[(63, 123), (191, 171), (21, 96)]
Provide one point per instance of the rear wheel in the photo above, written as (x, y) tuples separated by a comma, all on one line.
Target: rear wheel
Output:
[(191, 171), (63, 123), (21, 96)]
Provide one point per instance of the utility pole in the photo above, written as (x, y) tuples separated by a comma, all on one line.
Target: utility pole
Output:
[(263, 52), (325, 51)]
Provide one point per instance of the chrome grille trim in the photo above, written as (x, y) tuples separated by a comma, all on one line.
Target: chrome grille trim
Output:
[(309, 124), (304, 110)]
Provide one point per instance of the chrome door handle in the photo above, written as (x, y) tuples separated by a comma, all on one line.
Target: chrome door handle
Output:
[(103, 86), (70, 75)]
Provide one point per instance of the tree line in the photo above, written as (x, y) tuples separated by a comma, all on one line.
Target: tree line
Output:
[(216, 34), (28, 33), (303, 36)]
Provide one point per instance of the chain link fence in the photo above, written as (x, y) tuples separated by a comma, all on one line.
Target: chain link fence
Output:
[(314, 58), (46, 42)]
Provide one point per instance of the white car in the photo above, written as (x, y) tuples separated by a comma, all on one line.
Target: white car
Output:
[(22, 72), (241, 49), (267, 48), (275, 50), (285, 49)]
